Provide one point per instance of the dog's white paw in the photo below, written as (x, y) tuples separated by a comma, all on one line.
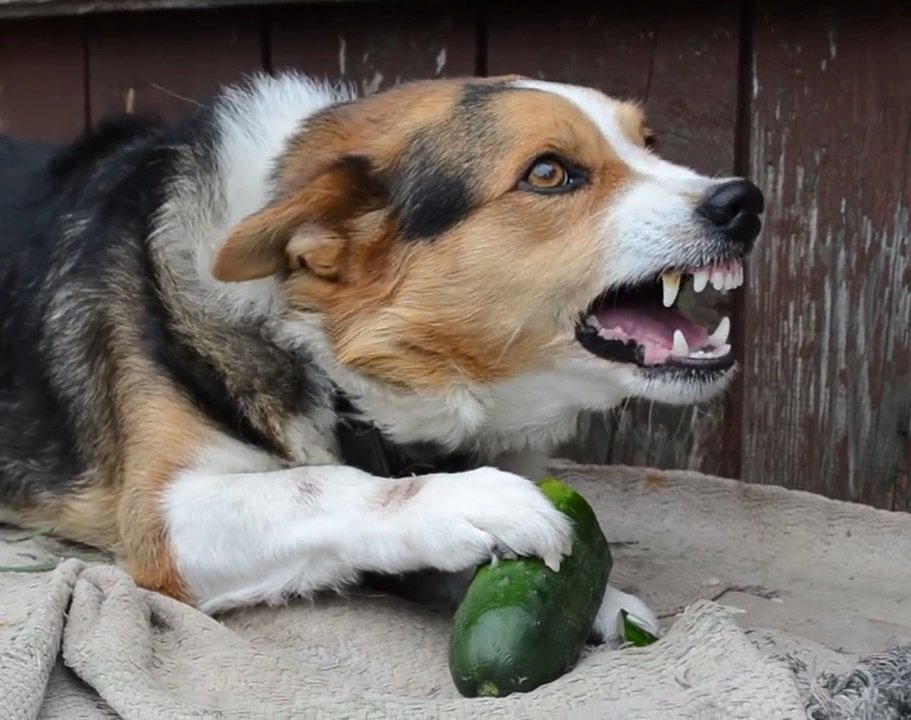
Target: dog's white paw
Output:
[(467, 518), (607, 629)]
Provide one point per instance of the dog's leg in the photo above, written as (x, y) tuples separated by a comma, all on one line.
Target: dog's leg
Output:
[(239, 539), (444, 589)]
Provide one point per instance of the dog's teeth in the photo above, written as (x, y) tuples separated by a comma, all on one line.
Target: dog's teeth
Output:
[(671, 285), (722, 350), (720, 336), (700, 280), (718, 280), (733, 276), (592, 321), (680, 348)]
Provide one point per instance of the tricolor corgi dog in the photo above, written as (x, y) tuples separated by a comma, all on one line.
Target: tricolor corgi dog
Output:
[(303, 338)]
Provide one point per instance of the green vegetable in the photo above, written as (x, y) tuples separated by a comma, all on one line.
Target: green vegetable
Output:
[(522, 625), (633, 630)]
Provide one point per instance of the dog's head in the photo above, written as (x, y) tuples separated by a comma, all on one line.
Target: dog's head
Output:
[(479, 231)]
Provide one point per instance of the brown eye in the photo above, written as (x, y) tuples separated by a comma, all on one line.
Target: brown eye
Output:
[(547, 174), (551, 175)]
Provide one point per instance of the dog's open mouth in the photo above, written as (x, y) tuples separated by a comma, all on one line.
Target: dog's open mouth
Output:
[(640, 324)]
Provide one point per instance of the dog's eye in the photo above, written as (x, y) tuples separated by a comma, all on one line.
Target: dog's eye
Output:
[(548, 174)]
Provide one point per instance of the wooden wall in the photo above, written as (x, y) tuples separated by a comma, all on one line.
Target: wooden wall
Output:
[(814, 104)]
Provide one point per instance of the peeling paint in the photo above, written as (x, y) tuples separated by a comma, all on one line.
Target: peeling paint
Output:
[(832, 324), (373, 85), (755, 79), (341, 55), (441, 61)]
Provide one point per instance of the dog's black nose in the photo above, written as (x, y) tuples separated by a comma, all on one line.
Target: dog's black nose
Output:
[(734, 208)]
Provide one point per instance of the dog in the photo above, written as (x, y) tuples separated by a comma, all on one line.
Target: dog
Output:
[(302, 338)]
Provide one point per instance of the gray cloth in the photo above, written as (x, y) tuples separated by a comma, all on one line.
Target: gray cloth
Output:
[(770, 600)]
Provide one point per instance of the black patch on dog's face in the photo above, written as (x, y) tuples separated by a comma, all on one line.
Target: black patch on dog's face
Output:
[(436, 185), (429, 193), (478, 95)]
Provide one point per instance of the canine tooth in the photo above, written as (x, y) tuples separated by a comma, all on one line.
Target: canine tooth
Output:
[(720, 336), (671, 284), (680, 348), (700, 280), (739, 272), (722, 350)]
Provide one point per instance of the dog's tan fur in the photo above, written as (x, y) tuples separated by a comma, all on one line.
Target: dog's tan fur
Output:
[(340, 248)]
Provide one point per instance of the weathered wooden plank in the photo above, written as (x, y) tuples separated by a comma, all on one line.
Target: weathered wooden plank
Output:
[(901, 497), (37, 8), (377, 45), (828, 355), (166, 62), (42, 78), (682, 61)]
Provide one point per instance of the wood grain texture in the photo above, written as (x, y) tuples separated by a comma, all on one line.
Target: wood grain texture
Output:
[(42, 78), (828, 358), (375, 45), (682, 61), (166, 62)]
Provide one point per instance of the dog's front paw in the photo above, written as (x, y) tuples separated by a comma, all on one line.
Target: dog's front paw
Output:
[(607, 623), (470, 517)]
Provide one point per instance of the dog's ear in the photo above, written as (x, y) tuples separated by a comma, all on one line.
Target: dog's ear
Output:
[(304, 230)]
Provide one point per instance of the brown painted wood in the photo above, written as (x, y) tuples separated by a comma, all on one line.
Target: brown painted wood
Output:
[(828, 355), (375, 45), (42, 78), (166, 62), (682, 61)]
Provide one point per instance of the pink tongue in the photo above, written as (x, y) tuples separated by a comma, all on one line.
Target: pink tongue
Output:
[(652, 329)]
